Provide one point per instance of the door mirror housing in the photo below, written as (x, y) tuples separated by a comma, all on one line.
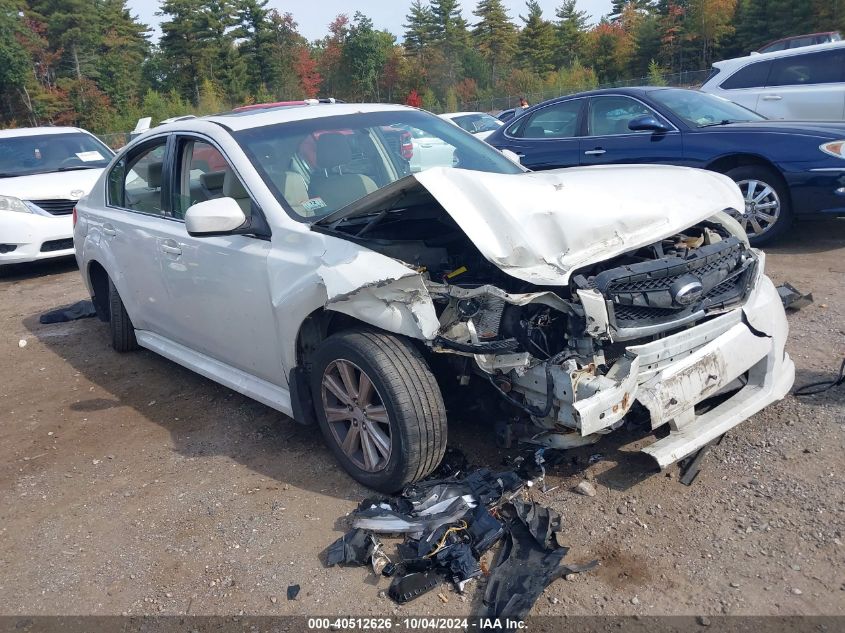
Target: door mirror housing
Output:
[(512, 156), (647, 123), (220, 216)]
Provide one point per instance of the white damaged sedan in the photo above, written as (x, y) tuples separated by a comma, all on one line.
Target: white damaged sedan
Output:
[(293, 255)]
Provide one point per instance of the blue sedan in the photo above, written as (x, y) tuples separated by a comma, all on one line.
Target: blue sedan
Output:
[(783, 168)]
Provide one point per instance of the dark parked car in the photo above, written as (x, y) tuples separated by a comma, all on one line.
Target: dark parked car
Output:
[(783, 168)]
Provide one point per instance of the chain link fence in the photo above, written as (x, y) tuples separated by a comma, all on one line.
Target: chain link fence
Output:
[(686, 79)]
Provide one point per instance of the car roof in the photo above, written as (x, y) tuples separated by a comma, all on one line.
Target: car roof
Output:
[(39, 131), (246, 119), (454, 114), (756, 57)]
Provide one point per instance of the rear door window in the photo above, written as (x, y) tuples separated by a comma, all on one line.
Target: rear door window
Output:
[(808, 69), (751, 76), (559, 120)]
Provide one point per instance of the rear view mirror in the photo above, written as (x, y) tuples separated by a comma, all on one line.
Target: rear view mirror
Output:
[(647, 123), (214, 217)]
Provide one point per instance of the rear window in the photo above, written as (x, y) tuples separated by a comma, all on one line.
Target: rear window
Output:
[(751, 76), (808, 69)]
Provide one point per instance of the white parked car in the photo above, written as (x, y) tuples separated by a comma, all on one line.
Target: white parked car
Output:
[(798, 84), (479, 123), (43, 172), (294, 256)]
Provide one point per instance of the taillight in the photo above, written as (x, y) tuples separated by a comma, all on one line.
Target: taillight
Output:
[(406, 146), (74, 217)]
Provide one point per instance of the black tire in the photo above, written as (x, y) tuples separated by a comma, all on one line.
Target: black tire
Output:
[(767, 176), (411, 398), (122, 330)]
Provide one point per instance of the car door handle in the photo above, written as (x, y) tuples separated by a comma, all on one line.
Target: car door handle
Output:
[(170, 247), (772, 97), (595, 152), (109, 230)]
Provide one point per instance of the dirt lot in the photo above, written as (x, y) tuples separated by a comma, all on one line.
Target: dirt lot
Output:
[(131, 485)]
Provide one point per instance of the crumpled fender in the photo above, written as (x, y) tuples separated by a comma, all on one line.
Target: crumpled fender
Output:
[(378, 290)]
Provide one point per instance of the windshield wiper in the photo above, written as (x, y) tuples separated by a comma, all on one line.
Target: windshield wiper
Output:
[(723, 122), (78, 167)]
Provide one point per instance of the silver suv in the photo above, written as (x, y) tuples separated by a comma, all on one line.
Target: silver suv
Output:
[(293, 255)]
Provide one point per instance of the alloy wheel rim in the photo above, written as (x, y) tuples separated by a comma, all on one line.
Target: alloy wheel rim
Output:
[(762, 207), (356, 415)]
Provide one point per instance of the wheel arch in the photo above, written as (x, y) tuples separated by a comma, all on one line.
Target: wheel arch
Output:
[(724, 164), (98, 281)]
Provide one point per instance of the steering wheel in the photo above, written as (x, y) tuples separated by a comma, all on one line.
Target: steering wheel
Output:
[(70, 160)]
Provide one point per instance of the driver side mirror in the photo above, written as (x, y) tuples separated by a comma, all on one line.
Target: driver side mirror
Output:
[(647, 123), (214, 217)]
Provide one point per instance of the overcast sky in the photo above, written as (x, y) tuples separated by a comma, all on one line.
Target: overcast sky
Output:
[(314, 16)]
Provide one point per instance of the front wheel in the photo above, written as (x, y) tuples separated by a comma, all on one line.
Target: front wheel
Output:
[(379, 408), (768, 213)]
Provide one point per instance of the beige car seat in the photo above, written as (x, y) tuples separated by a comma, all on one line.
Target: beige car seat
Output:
[(331, 184)]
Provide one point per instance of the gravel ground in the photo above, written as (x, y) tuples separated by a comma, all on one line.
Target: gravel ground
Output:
[(131, 485)]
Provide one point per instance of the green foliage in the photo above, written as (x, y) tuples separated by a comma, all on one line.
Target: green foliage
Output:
[(655, 74), (536, 42), (92, 63)]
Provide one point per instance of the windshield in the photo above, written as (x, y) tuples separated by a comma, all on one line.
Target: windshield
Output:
[(700, 109), (44, 153), (477, 122), (317, 166)]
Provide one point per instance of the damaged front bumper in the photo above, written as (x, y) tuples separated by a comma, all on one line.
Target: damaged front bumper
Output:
[(738, 355)]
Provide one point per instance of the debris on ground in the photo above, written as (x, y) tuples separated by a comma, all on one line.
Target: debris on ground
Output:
[(821, 386), (80, 310), (448, 524), (690, 466), (792, 299), (293, 592), (586, 488)]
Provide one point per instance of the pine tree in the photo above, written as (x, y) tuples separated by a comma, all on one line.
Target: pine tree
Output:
[(419, 28), (536, 42), (570, 29), (182, 47), (122, 49), (494, 35), (254, 32)]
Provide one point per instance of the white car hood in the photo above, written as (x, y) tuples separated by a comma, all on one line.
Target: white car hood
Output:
[(62, 185), (540, 226)]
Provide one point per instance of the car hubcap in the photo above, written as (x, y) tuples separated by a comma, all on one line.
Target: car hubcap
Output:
[(762, 207), (356, 415)]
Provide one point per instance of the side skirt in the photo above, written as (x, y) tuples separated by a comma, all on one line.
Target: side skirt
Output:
[(264, 392)]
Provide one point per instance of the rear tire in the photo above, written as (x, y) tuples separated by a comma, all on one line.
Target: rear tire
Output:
[(772, 198), (122, 330), (398, 433)]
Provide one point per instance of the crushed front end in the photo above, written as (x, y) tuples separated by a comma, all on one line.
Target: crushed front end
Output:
[(687, 330)]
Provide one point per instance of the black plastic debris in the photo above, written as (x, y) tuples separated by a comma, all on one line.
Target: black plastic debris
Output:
[(448, 523), (792, 299), (413, 585), (350, 549), (293, 592), (529, 561), (79, 310)]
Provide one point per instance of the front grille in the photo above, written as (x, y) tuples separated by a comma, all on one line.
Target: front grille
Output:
[(56, 206), (57, 245), (651, 293)]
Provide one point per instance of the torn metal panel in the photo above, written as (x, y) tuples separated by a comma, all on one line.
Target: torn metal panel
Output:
[(611, 396), (380, 291), (595, 310)]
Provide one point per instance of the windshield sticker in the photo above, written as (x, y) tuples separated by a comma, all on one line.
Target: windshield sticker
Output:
[(313, 204), (87, 157)]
